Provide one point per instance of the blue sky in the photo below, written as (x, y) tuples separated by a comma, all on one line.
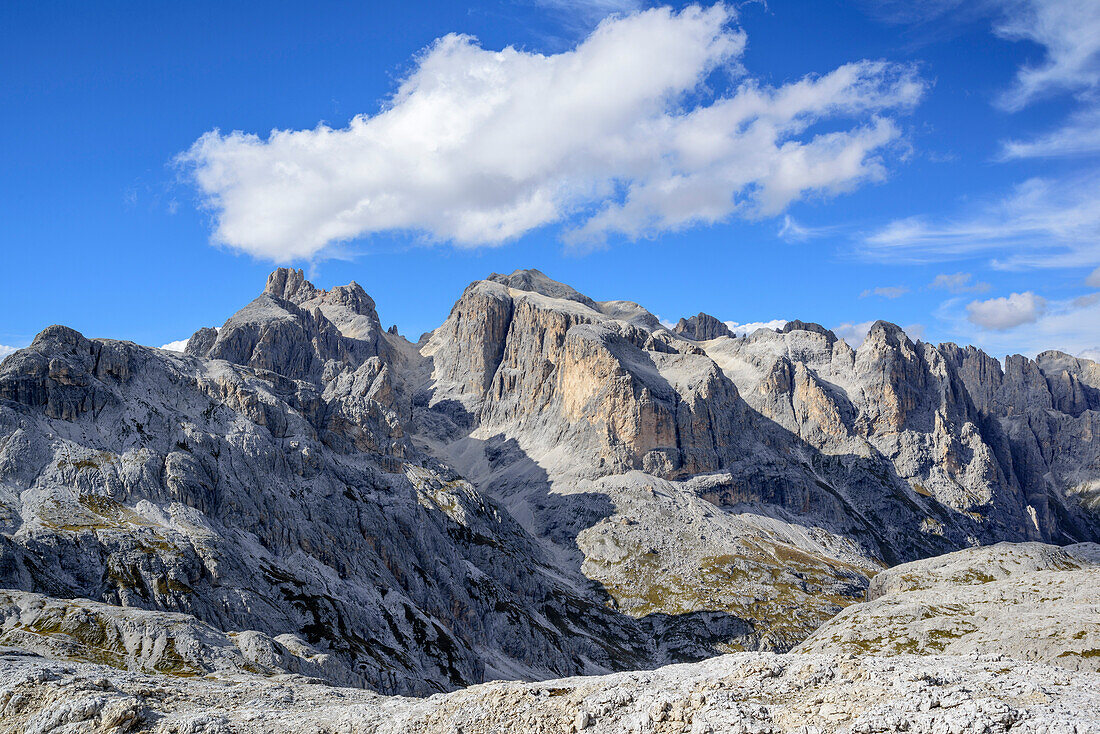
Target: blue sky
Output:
[(931, 163)]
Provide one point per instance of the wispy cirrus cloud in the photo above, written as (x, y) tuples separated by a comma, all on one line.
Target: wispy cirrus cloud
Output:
[(592, 9), (889, 291), (478, 147), (579, 17), (1069, 32), (791, 230), (1079, 136), (1042, 223), (958, 283)]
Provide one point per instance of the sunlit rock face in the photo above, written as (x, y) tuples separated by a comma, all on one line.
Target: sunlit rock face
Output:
[(745, 692), (545, 485), (1026, 601)]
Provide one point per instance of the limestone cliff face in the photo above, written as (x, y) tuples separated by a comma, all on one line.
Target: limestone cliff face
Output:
[(911, 422), (545, 485), (559, 372)]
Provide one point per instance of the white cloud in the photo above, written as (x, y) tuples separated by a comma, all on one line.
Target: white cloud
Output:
[(1093, 354), (1079, 136), (1069, 325), (1001, 314), (176, 346), (1042, 223), (750, 326), (853, 333), (1093, 280), (1069, 31), (958, 283), (622, 134), (5, 350), (793, 231), (593, 9), (890, 291)]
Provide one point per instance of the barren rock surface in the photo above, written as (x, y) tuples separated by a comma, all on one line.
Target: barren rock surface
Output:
[(1027, 601), (746, 692)]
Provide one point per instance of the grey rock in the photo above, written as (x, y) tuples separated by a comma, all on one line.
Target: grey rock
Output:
[(702, 327), (797, 325), (1027, 601), (747, 692)]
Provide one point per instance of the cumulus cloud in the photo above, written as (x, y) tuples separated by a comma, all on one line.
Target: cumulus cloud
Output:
[(622, 134), (176, 346), (1093, 354), (1068, 325), (890, 291), (853, 332), (5, 351), (1001, 314), (958, 283), (1041, 223), (750, 326)]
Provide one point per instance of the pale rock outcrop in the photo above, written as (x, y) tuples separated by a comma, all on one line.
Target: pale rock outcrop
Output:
[(1027, 601), (748, 692)]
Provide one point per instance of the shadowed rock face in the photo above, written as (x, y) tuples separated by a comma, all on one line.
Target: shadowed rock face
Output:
[(545, 485), (702, 327)]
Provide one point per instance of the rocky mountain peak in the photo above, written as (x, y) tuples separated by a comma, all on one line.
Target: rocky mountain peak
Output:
[(888, 331), (810, 326), (702, 327), (538, 282), (290, 285)]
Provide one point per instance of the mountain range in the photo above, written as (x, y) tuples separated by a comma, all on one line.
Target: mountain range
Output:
[(543, 486)]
